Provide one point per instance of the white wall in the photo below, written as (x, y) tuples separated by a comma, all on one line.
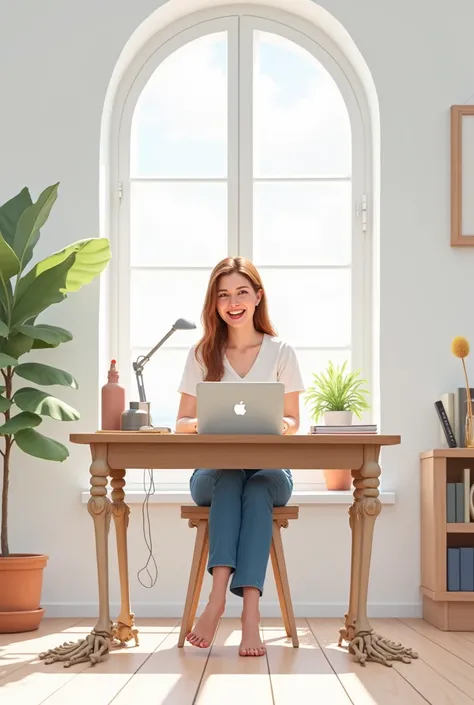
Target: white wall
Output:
[(57, 59)]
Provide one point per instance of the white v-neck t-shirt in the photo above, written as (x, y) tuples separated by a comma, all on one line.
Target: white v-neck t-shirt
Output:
[(276, 362)]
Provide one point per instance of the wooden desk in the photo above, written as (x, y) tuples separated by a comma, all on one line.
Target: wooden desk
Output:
[(114, 451)]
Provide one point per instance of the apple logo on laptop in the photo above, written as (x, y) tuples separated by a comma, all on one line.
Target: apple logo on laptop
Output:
[(240, 409)]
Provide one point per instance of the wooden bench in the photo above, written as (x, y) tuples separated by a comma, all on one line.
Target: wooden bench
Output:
[(198, 517)]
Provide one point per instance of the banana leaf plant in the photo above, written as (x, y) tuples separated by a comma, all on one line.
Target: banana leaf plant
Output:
[(25, 293)]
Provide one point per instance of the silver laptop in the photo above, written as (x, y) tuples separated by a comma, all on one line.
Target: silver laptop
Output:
[(240, 407)]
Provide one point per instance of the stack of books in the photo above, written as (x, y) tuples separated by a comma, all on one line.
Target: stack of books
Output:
[(353, 428)]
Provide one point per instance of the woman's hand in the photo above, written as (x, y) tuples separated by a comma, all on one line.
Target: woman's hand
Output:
[(186, 425), (187, 421)]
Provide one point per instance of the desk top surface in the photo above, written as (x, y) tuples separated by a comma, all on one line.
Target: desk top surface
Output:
[(193, 438)]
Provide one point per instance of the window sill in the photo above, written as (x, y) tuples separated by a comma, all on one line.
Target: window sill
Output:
[(162, 496)]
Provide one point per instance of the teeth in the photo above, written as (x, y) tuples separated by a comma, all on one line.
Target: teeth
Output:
[(235, 313)]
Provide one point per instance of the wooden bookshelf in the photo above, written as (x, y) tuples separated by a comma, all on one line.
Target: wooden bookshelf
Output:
[(447, 610)]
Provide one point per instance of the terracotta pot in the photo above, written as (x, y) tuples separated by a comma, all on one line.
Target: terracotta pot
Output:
[(338, 479), (21, 583)]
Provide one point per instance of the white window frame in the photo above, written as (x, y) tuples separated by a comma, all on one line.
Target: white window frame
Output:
[(240, 181)]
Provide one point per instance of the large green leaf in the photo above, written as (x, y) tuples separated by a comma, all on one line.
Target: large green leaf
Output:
[(9, 262), (45, 374), (45, 290), (9, 267), (5, 404), (10, 214), (4, 330), (91, 258), (39, 402), (53, 335), (34, 443), (7, 361), (30, 222), (16, 345), (25, 419), (6, 299)]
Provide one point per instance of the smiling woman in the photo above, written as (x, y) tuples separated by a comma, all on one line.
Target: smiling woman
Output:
[(238, 344)]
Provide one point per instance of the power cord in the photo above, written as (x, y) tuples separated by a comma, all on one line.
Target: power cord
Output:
[(149, 489)]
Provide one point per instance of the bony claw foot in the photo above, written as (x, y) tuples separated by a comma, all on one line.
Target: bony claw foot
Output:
[(121, 633), (369, 646), (92, 648)]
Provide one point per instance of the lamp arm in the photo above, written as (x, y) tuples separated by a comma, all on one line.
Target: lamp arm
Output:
[(140, 363)]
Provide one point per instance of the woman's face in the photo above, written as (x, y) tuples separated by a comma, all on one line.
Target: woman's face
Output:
[(236, 299)]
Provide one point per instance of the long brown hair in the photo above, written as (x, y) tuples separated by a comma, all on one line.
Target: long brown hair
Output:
[(212, 344)]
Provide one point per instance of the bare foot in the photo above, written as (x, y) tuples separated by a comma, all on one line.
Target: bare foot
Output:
[(203, 633), (251, 644)]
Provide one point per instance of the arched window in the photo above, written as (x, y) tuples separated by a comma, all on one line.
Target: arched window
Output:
[(241, 135)]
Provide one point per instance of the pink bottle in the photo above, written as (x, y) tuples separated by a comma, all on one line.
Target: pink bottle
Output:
[(113, 400)]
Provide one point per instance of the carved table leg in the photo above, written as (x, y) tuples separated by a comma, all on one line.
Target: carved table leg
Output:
[(364, 643), (98, 642), (124, 630)]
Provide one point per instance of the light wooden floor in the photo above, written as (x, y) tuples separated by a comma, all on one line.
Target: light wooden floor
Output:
[(318, 672)]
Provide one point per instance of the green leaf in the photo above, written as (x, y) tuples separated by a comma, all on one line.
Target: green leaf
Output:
[(6, 299), (91, 258), (25, 419), (30, 223), (4, 330), (16, 346), (7, 361), (9, 262), (9, 267), (34, 443), (53, 335), (45, 374), (39, 402), (10, 214), (5, 404), (44, 290)]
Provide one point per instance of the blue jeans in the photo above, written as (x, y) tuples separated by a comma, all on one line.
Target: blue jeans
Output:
[(240, 519)]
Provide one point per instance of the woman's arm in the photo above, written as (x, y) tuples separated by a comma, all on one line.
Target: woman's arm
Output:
[(187, 421), (291, 413)]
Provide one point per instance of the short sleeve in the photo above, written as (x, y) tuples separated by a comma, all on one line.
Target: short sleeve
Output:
[(289, 370), (192, 374)]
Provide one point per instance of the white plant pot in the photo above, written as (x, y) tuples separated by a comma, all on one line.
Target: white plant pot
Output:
[(338, 418)]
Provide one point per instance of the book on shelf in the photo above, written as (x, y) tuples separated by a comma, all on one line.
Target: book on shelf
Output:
[(459, 495), (455, 406), (353, 428), (445, 424), (460, 569)]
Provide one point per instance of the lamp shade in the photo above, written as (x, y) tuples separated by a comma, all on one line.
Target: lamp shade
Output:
[(183, 324)]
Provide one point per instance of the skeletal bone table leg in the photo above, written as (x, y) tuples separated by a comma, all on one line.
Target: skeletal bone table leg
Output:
[(124, 630), (98, 642), (364, 643)]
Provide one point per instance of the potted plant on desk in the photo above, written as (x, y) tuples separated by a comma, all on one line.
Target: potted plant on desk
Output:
[(335, 396), (24, 294)]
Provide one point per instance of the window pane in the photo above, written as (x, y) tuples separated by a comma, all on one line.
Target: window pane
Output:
[(315, 216), (159, 297), (178, 224), (310, 307), (180, 121), (301, 123)]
